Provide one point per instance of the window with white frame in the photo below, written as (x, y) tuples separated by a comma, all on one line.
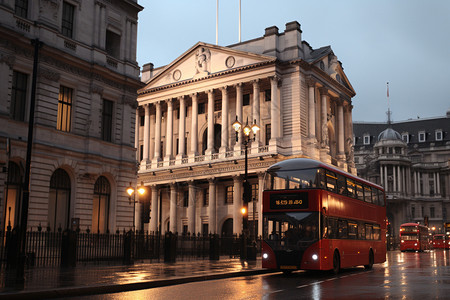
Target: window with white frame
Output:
[(438, 134), (405, 137), (366, 139), (422, 136)]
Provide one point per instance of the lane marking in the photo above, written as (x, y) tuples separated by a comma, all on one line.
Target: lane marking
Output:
[(322, 281)]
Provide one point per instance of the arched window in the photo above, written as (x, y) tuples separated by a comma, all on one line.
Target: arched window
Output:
[(217, 139), (101, 203), (59, 200), (13, 191)]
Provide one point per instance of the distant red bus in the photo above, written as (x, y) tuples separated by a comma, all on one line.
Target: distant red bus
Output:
[(317, 217), (414, 237), (441, 241)]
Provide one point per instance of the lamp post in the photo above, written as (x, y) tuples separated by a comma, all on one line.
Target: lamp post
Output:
[(247, 130), (131, 192)]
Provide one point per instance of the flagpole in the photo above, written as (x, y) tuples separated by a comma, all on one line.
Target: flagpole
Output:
[(239, 21), (217, 22), (389, 105)]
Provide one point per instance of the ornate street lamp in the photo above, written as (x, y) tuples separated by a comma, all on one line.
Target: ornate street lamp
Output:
[(131, 192), (247, 130)]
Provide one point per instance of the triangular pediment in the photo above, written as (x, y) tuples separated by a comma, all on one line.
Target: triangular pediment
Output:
[(204, 60), (324, 59)]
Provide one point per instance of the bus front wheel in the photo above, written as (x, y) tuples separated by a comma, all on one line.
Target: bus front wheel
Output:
[(370, 265), (336, 262)]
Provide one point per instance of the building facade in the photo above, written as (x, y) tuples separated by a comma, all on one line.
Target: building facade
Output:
[(83, 154), (191, 157), (411, 160)]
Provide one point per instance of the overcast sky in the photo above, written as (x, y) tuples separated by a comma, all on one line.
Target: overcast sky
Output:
[(403, 42)]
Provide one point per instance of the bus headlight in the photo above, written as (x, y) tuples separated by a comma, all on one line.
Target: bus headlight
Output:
[(265, 255), (415, 244), (315, 257)]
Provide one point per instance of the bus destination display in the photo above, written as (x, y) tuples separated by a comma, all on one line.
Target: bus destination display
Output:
[(289, 201)]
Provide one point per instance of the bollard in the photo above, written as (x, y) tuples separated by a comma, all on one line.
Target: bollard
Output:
[(69, 248), (127, 248), (214, 247)]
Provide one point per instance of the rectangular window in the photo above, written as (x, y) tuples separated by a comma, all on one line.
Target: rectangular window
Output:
[(112, 44), (185, 198), (359, 191), (331, 181), (367, 194), (432, 212), (438, 135), (413, 211), (205, 197), (141, 152), (351, 190), (205, 229), (21, 8), (64, 109), (142, 120), (352, 230), (18, 96), (267, 95), (343, 229), (422, 136), (229, 196), (246, 100), (67, 20), (201, 108), (268, 133), (369, 232), (107, 120), (218, 105), (185, 229), (366, 139), (405, 137), (255, 188)]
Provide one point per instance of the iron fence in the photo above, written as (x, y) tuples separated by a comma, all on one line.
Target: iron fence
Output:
[(46, 248)]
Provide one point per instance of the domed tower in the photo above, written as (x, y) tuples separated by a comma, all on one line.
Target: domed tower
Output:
[(391, 153)]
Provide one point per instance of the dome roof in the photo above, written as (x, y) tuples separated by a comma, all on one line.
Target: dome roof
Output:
[(389, 134)]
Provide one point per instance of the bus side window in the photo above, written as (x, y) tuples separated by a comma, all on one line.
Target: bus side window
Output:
[(331, 181), (351, 188), (332, 228), (367, 194), (352, 230), (361, 232), (342, 188), (381, 198), (375, 196), (343, 229), (359, 191), (369, 233), (376, 232), (320, 178)]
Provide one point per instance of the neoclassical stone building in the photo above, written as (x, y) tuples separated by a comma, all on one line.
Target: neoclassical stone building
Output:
[(411, 160), (299, 96), (83, 154)]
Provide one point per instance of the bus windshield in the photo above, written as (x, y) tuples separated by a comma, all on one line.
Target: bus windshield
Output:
[(293, 179), (409, 230), (291, 230)]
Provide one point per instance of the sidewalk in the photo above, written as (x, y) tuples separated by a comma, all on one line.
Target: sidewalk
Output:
[(45, 283)]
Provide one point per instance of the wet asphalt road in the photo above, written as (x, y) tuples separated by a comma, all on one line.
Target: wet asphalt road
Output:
[(407, 275)]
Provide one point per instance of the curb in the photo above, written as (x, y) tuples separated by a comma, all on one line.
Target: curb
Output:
[(117, 288)]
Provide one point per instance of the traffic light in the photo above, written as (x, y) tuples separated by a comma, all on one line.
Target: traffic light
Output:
[(247, 196)]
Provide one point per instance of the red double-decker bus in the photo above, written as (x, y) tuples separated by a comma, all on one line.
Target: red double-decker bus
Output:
[(414, 237), (317, 217), (441, 241)]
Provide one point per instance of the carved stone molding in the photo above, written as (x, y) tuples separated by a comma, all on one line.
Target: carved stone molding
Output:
[(8, 59), (310, 81), (323, 91), (96, 89), (48, 74)]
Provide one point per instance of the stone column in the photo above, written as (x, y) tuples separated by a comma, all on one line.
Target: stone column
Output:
[(340, 109), (274, 110), (385, 178), (399, 178), (212, 206), (155, 210), (146, 156), (173, 208), (158, 118), (438, 184), (136, 136), (169, 131), (324, 118), (191, 207), (194, 126), (237, 205), (311, 107), (381, 175), (239, 114), (394, 178), (225, 124), (210, 147), (256, 111), (182, 129)]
